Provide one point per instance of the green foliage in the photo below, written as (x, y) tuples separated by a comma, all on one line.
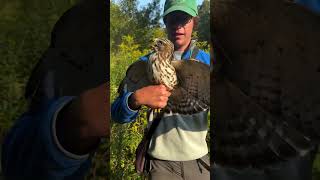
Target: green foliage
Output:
[(204, 45), (127, 19), (119, 22), (204, 23), (124, 138)]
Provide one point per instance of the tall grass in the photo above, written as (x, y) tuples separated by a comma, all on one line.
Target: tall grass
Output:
[(124, 137)]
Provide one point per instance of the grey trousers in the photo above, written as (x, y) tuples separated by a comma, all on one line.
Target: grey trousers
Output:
[(178, 170)]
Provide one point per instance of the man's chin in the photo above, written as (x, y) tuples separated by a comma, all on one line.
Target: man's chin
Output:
[(178, 42)]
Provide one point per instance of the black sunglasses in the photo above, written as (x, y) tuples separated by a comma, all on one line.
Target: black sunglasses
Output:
[(177, 19)]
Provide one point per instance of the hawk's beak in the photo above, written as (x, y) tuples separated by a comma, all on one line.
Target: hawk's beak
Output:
[(154, 47), (154, 44)]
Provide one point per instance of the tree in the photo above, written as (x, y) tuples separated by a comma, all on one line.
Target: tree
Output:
[(203, 28), (142, 24)]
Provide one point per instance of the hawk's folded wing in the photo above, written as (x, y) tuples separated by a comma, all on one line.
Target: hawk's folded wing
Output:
[(192, 94), (136, 77)]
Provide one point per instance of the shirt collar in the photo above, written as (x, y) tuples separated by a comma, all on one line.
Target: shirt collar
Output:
[(187, 54)]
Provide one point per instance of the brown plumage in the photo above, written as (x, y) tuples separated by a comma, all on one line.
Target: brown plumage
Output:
[(266, 81), (160, 70), (188, 80)]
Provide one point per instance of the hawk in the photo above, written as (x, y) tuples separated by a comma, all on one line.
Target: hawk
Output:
[(266, 82), (188, 81)]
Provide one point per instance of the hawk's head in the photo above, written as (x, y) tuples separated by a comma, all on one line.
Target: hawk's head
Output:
[(164, 48)]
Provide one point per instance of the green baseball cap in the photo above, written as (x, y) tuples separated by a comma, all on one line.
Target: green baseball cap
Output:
[(187, 6)]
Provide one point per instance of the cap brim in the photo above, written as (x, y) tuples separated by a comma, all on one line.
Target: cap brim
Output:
[(187, 10)]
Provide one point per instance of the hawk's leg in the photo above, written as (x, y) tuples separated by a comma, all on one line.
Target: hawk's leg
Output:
[(157, 111)]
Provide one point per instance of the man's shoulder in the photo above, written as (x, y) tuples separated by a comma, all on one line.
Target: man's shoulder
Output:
[(203, 57), (145, 57), (203, 54)]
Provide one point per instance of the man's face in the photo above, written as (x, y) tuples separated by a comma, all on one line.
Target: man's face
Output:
[(179, 28)]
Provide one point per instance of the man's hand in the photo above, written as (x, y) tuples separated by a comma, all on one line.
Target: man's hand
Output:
[(152, 96)]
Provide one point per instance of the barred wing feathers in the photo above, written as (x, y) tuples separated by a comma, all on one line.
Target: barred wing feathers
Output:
[(192, 93)]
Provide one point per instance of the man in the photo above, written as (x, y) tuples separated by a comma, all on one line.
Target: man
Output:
[(179, 140)]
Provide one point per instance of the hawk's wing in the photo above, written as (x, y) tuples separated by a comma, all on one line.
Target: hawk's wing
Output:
[(192, 93), (266, 93), (136, 77)]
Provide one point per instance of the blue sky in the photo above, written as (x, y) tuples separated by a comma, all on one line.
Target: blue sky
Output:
[(143, 3)]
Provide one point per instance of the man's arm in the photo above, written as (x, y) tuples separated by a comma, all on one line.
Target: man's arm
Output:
[(152, 96), (125, 108)]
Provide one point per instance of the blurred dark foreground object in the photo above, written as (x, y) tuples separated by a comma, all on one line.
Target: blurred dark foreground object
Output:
[(266, 83), (77, 57), (69, 95)]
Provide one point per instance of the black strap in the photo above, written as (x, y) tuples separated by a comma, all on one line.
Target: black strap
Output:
[(204, 164), (194, 52), (153, 126)]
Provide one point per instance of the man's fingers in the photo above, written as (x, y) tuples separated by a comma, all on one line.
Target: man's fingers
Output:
[(155, 96), (164, 91), (162, 87), (161, 104), (163, 98), (168, 93)]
